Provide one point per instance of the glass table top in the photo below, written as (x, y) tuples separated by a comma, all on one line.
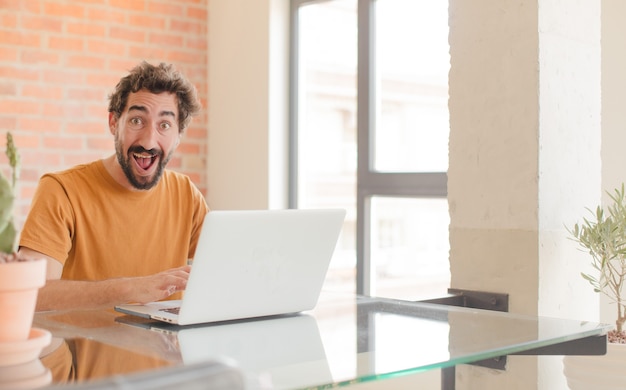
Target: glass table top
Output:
[(345, 340)]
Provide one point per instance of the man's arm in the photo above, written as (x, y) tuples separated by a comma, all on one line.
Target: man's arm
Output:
[(60, 294)]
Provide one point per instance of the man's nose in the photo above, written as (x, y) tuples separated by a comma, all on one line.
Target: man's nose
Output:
[(149, 135)]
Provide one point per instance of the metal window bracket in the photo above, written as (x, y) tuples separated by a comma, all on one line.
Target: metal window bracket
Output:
[(596, 345)]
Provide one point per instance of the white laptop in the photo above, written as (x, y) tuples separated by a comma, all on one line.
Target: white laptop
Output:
[(253, 263)]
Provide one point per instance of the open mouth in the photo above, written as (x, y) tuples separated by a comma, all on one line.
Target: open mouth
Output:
[(145, 161)]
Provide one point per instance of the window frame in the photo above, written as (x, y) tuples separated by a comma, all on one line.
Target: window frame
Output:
[(370, 183)]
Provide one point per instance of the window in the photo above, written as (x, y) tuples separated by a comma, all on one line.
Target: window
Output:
[(370, 134)]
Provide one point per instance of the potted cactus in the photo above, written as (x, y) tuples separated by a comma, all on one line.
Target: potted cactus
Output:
[(20, 279)]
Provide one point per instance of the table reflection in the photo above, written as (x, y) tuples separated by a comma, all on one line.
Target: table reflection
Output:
[(86, 346)]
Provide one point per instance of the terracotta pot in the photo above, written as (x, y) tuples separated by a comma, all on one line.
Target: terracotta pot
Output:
[(29, 375), (604, 372), (19, 284)]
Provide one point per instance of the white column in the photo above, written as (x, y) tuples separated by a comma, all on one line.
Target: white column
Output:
[(524, 162)]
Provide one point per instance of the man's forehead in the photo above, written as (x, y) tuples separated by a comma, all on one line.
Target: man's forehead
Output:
[(152, 102)]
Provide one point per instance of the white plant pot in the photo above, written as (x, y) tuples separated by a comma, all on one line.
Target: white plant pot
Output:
[(605, 372)]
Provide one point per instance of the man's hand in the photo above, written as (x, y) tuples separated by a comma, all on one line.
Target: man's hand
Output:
[(60, 294), (159, 286)]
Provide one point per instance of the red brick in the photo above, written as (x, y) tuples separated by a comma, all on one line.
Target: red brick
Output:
[(14, 106), (186, 147), (62, 142), (21, 38), (7, 88), (70, 160), (40, 57), (86, 128), (195, 177), (135, 5), (128, 34), (66, 43), (120, 67), (110, 16), (62, 109), (8, 21), (199, 13), (64, 9), (26, 192), (39, 124), (195, 28), (43, 92), (33, 7), (25, 141), (150, 54), (8, 54), (38, 158), (97, 110), (42, 23), (166, 39), (64, 77), (18, 73), (195, 133), (105, 79), (8, 122), (86, 93), (85, 62), (104, 46), (185, 57), (143, 20), (10, 5), (28, 173), (167, 9), (91, 3), (101, 144), (197, 43), (175, 163), (86, 29)]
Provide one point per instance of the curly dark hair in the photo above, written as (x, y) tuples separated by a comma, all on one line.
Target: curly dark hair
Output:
[(157, 79)]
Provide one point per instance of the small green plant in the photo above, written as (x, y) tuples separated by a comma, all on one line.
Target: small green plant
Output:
[(8, 232), (605, 239)]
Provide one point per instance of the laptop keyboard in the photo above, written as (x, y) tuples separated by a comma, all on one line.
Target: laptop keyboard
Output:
[(173, 310)]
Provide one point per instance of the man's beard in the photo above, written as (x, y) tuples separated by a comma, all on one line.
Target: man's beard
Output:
[(141, 183)]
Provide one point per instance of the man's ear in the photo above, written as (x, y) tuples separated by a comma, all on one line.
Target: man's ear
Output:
[(112, 122)]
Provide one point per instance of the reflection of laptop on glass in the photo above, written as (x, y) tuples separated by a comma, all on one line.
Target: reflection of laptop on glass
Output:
[(277, 352), (253, 263)]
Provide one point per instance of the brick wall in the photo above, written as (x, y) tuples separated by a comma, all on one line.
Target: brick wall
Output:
[(60, 59)]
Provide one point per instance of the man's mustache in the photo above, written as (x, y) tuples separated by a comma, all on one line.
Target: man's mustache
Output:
[(141, 150)]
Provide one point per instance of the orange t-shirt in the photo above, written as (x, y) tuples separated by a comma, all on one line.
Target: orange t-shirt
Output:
[(99, 230)]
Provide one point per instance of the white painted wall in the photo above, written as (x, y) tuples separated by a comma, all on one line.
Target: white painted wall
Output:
[(247, 105), (613, 108)]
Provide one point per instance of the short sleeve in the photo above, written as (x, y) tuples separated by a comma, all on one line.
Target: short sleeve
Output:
[(49, 227)]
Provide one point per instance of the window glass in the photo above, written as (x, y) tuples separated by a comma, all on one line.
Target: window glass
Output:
[(412, 64), (326, 124), (410, 247)]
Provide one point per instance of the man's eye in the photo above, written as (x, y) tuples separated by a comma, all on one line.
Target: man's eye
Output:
[(135, 121), (165, 126)]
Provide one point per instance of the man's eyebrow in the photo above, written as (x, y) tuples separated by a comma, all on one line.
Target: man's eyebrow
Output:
[(138, 108), (168, 113)]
